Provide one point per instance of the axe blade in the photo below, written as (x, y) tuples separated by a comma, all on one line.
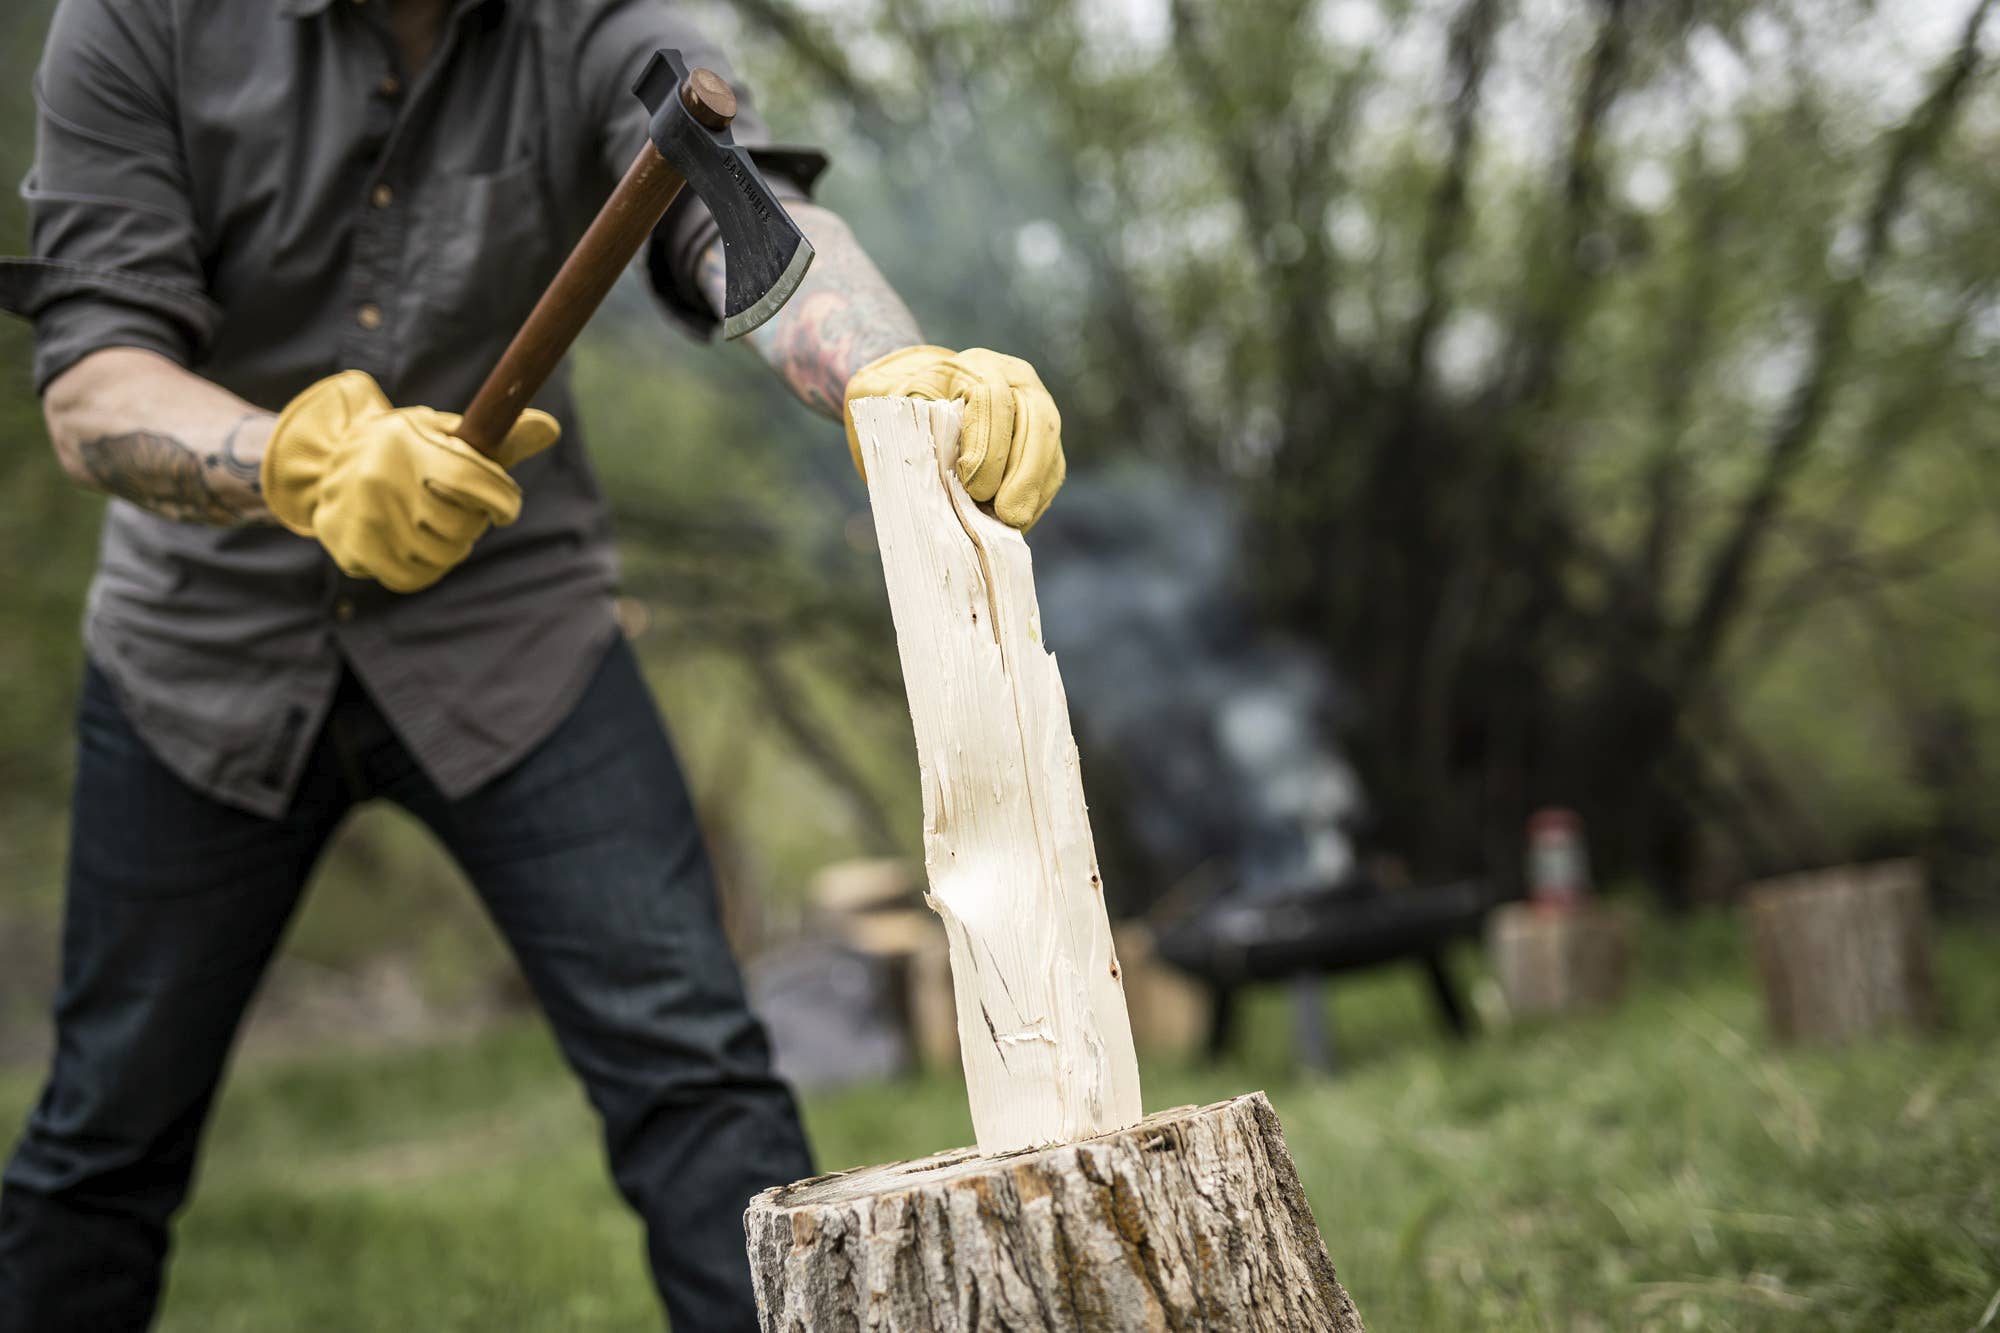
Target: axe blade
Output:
[(764, 254), (746, 307)]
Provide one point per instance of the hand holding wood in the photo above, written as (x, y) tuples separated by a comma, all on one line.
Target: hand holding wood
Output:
[(1010, 451)]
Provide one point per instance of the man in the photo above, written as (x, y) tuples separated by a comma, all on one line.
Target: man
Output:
[(277, 243)]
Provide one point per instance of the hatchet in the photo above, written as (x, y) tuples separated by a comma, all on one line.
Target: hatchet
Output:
[(765, 255)]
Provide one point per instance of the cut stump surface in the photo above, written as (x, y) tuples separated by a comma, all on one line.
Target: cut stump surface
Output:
[(1191, 1219)]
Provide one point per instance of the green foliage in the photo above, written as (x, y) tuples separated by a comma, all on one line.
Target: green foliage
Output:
[(1489, 314), (48, 544), (1659, 1167), (1592, 370)]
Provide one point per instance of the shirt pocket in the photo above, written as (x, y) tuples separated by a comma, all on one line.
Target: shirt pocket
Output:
[(487, 249)]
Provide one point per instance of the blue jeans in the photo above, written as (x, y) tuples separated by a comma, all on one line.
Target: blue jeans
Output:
[(589, 859)]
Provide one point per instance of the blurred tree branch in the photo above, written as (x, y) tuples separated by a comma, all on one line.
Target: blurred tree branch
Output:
[(813, 46), (1689, 326), (1910, 148), (788, 707), (1472, 33), (1555, 304)]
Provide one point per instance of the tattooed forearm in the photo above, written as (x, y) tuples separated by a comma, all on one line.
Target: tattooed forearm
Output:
[(843, 316), (234, 459), (166, 475), (134, 424)]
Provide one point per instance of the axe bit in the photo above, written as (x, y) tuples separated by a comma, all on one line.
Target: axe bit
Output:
[(765, 255)]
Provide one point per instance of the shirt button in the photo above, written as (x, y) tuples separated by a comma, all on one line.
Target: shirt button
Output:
[(382, 196), (343, 610), (369, 316), (390, 85)]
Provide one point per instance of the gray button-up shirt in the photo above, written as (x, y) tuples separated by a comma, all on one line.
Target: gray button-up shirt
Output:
[(250, 188)]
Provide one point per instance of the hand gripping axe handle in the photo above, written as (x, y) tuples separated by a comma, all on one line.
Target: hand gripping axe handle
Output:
[(765, 255)]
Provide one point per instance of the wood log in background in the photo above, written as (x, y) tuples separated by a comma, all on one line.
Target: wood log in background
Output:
[(1550, 963), (1170, 1010), (914, 942), (1193, 1219), (1844, 953), (848, 888), (1042, 1028)]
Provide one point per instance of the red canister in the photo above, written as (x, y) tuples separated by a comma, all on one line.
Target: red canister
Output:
[(1558, 863)]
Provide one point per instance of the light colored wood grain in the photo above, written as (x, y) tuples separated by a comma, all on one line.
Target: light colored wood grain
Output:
[(1043, 1031)]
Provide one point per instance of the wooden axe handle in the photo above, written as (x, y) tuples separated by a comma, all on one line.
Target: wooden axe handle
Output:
[(579, 287)]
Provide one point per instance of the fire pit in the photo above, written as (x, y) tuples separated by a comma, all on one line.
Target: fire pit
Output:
[(1233, 942), (1210, 756)]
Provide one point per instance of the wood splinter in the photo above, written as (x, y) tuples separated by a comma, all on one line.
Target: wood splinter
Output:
[(1042, 1027)]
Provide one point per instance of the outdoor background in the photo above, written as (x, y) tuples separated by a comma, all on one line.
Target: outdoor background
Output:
[(1605, 397)]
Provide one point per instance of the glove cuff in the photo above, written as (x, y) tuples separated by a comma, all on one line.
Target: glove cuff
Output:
[(879, 378)]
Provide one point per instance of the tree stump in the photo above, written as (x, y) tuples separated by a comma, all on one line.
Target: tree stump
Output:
[(1844, 953), (1554, 962), (1191, 1219)]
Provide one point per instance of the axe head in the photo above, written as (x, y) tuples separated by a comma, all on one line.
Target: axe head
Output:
[(764, 254)]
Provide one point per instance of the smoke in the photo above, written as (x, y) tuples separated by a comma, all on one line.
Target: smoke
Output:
[(1207, 741)]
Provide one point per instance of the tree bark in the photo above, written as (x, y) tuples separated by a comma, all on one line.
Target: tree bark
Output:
[(1844, 953), (1042, 1025), (1191, 1220)]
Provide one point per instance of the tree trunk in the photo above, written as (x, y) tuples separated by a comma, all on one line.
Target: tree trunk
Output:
[(1191, 1220), (1844, 952), (1042, 1027)]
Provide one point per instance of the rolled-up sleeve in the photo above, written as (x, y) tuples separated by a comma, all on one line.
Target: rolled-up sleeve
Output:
[(614, 48), (116, 261)]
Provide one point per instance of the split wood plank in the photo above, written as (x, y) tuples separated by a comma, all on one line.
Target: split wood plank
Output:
[(1043, 1030)]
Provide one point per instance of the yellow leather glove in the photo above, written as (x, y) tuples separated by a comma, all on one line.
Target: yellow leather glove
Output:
[(1010, 445), (390, 492)]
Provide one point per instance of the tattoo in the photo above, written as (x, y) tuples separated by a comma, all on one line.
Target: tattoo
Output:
[(843, 316), (163, 474), (248, 471)]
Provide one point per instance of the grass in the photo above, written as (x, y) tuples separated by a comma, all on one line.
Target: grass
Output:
[(1656, 1168)]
